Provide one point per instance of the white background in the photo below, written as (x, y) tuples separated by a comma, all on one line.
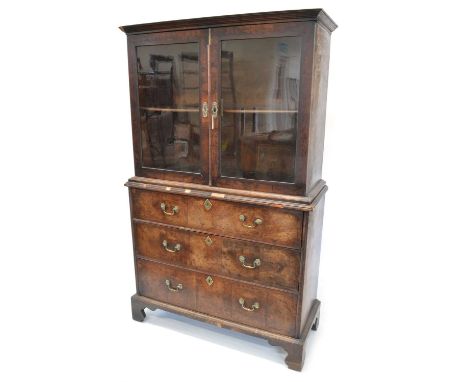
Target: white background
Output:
[(393, 276)]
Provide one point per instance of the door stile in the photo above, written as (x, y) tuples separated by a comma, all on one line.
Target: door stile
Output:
[(204, 97), (214, 68), (208, 53)]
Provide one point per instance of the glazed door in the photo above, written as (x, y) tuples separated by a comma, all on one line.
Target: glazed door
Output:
[(259, 78), (169, 86)]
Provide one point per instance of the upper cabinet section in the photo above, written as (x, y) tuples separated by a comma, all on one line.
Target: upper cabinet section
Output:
[(232, 101)]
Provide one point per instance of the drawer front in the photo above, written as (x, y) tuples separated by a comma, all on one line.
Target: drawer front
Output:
[(161, 243), (264, 264), (267, 265), (262, 308), (258, 307), (159, 207), (168, 284), (266, 224)]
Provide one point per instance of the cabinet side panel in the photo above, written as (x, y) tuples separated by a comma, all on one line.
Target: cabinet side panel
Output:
[(321, 58), (312, 261), (133, 86), (132, 223)]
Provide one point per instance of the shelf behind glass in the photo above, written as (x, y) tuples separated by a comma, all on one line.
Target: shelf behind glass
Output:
[(258, 111), (173, 109)]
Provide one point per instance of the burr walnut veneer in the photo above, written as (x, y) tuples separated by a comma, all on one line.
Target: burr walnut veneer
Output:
[(228, 118)]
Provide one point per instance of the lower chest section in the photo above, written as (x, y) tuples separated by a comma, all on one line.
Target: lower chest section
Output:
[(236, 261)]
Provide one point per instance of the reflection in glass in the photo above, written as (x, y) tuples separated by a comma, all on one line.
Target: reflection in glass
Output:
[(259, 99), (168, 85)]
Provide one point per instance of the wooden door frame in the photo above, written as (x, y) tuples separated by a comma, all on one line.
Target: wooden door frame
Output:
[(304, 30), (199, 36)]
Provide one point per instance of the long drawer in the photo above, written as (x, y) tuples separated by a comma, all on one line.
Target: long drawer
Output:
[(261, 263), (263, 224), (259, 307)]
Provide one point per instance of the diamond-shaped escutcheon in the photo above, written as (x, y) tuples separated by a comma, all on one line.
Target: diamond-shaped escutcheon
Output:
[(208, 241), (207, 204), (209, 280)]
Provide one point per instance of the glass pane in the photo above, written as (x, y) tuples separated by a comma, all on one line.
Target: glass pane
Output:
[(168, 85), (260, 96)]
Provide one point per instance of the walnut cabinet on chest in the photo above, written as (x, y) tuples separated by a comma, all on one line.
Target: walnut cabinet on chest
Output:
[(228, 117)]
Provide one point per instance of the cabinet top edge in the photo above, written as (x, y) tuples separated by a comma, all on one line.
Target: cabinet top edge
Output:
[(317, 15), (302, 203)]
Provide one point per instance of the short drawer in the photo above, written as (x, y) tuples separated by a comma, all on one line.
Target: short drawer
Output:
[(265, 264), (168, 284)]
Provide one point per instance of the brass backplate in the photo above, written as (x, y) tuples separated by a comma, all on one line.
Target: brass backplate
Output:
[(209, 280), (207, 204)]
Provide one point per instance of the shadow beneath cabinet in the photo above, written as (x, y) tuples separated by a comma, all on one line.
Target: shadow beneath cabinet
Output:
[(228, 338)]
